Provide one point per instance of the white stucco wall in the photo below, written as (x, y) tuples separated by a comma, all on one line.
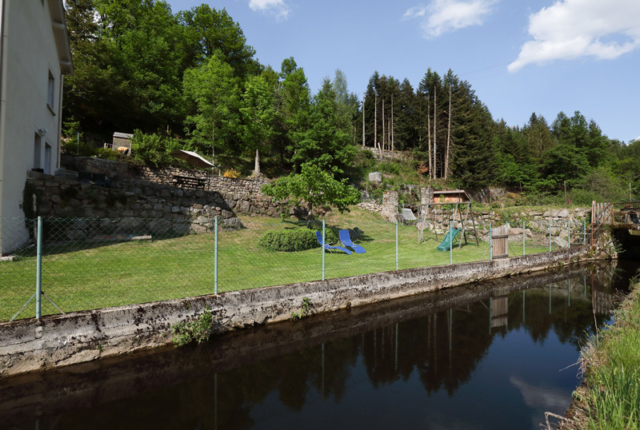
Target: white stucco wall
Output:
[(30, 54)]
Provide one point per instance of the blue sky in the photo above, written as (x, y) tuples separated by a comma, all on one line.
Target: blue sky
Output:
[(520, 56)]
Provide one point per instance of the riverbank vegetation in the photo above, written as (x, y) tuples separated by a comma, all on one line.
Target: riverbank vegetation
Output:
[(610, 396), (190, 80)]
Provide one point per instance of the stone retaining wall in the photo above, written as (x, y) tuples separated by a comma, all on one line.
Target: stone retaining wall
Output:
[(60, 340), (240, 195)]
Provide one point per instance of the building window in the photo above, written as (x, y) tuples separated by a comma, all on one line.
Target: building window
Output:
[(37, 152), (47, 159), (51, 92)]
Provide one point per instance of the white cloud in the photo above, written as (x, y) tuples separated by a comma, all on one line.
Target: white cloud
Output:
[(275, 6), (569, 29), (442, 16)]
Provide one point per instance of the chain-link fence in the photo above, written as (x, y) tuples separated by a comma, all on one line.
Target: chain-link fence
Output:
[(90, 263)]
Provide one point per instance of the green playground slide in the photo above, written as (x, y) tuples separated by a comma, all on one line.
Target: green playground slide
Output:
[(448, 240)]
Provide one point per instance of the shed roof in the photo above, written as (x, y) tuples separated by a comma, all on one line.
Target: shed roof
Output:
[(122, 135), (451, 192)]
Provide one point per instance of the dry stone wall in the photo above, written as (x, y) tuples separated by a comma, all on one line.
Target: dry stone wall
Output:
[(136, 193)]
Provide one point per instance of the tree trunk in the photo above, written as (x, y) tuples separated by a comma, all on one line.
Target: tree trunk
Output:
[(392, 131), (363, 120), (384, 136), (429, 139), (256, 169), (446, 158), (213, 144), (435, 140), (375, 121)]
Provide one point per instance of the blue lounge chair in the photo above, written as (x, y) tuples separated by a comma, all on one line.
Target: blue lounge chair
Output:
[(345, 238), (329, 247)]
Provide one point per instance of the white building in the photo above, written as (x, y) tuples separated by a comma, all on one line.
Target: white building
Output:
[(34, 57)]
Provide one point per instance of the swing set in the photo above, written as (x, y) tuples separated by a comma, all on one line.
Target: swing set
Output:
[(428, 215)]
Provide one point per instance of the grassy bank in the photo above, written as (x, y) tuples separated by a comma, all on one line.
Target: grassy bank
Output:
[(610, 395), (84, 276)]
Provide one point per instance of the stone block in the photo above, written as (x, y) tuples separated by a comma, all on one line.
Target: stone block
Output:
[(181, 227), (232, 224), (159, 226), (76, 234), (199, 229)]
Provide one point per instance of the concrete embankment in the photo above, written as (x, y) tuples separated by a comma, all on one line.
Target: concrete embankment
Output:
[(61, 340), (89, 385)]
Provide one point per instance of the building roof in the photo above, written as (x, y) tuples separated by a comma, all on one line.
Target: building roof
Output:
[(122, 135), (450, 192), (59, 24)]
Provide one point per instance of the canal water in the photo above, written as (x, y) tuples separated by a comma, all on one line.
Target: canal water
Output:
[(488, 356)]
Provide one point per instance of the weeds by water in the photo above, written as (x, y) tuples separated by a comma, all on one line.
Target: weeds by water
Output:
[(198, 330), (610, 397)]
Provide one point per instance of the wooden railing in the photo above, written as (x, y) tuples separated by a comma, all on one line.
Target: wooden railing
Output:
[(601, 213)]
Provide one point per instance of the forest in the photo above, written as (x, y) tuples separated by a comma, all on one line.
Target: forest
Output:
[(190, 80)]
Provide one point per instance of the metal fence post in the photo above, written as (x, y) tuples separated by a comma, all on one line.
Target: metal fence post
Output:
[(215, 267), (323, 245), (569, 233), (490, 243), (397, 265), (584, 231), (549, 235), (523, 238), (39, 270), (450, 242)]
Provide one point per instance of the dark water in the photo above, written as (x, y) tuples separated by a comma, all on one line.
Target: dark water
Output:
[(490, 356)]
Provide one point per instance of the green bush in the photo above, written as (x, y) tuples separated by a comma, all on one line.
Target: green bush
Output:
[(389, 167), (290, 240)]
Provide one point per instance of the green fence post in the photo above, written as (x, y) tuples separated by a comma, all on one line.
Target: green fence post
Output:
[(523, 238), (584, 231), (323, 245), (569, 233), (450, 242), (549, 235), (215, 267), (490, 243), (39, 270), (397, 267)]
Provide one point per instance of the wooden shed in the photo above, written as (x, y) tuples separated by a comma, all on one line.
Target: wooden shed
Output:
[(121, 140), (451, 196)]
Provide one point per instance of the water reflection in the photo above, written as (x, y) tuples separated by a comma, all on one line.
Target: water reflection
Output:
[(487, 356)]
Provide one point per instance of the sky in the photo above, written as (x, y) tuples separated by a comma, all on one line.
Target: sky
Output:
[(521, 56)]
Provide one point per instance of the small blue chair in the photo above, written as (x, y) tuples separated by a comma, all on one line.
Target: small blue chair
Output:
[(345, 238), (329, 247)]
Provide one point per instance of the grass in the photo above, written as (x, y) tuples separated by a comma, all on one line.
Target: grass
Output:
[(610, 397), (84, 276)]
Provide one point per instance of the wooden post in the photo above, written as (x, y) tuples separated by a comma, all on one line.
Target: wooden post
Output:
[(593, 214)]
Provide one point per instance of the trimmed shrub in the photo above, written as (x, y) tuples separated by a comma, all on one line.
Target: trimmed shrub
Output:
[(291, 240)]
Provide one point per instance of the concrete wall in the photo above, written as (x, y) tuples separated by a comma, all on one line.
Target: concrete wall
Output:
[(30, 56), (111, 379), (55, 341)]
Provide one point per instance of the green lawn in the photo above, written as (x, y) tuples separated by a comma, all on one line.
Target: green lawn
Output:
[(82, 276)]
